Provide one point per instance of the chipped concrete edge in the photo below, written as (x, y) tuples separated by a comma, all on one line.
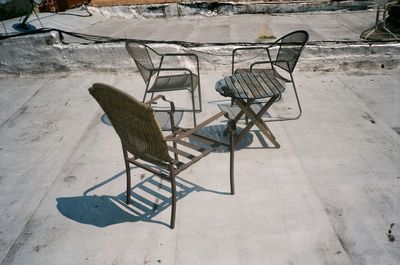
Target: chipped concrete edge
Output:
[(45, 53), (225, 8)]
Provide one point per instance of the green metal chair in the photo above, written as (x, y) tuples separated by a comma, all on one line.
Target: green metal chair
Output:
[(157, 77), (282, 56)]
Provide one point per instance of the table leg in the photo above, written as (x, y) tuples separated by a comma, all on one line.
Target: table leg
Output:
[(256, 120), (239, 115)]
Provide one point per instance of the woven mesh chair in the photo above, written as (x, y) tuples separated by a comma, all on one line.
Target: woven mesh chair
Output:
[(144, 145), (282, 56), (156, 82)]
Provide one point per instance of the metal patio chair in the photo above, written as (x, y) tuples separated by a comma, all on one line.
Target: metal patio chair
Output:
[(33, 3), (387, 28), (157, 77), (282, 56), (144, 145)]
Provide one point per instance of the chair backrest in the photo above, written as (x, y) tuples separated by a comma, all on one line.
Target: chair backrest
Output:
[(140, 54), (134, 123), (290, 48)]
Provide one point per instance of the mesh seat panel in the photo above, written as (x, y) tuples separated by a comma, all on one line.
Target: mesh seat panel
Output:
[(174, 82)]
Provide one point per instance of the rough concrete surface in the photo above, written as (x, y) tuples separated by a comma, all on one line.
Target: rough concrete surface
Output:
[(329, 195)]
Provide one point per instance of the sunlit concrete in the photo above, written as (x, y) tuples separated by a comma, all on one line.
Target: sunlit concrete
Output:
[(329, 195)]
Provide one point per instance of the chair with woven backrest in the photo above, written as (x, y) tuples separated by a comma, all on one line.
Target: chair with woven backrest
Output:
[(144, 145), (282, 56), (158, 77)]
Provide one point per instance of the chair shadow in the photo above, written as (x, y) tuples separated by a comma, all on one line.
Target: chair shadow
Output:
[(148, 198), (247, 140), (216, 132), (23, 27)]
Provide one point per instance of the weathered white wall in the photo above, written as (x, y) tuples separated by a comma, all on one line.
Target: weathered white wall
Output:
[(226, 8), (43, 53)]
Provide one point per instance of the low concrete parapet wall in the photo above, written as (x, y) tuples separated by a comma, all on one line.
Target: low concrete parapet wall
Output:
[(45, 53), (225, 8)]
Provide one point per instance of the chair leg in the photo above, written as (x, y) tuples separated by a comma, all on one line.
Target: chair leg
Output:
[(199, 92), (38, 18), (232, 134), (128, 178), (145, 92), (173, 198), (298, 101), (194, 109)]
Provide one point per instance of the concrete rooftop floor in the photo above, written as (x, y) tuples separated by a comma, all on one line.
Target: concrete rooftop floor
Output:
[(328, 196)]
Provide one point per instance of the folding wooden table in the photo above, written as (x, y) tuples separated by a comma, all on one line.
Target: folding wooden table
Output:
[(245, 89)]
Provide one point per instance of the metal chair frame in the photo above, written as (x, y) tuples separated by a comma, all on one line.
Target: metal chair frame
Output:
[(151, 71), (33, 3), (378, 22), (285, 65)]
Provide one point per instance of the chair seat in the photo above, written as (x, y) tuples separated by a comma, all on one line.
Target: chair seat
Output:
[(174, 82)]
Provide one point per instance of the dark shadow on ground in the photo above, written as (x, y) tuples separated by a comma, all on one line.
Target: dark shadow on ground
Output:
[(23, 27), (216, 132), (148, 198)]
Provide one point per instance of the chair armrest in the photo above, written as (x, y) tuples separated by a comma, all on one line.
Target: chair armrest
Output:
[(186, 132), (170, 112), (251, 48), (180, 55), (153, 101), (247, 48), (269, 62), (173, 69)]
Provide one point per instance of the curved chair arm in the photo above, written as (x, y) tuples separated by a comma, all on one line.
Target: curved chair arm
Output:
[(172, 69), (248, 48), (171, 112), (180, 55), (153, 101), (269, 62)]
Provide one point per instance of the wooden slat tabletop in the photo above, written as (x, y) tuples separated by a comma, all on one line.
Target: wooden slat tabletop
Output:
[(250, 86)]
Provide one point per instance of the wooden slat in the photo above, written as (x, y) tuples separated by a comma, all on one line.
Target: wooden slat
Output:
[(244, 85), (186, 132), (270, 84), (235, 87), (181, 152), (223, 87), (191, 146), (256, 87), (277, 85), (264, 93), (265, 86), (197, 158)]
